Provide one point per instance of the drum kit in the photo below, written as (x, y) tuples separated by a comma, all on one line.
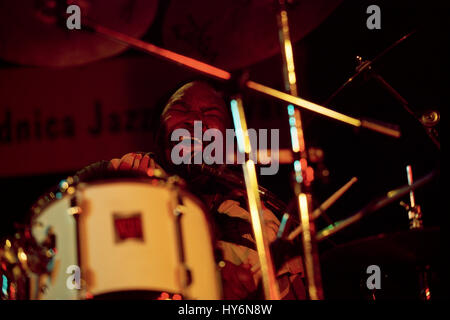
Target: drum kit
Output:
[(109, 230), (149, 237)]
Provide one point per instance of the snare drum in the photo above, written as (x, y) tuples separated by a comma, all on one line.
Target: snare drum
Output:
[(143, 238)]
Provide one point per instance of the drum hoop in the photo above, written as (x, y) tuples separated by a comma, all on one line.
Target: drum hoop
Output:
[(178, 186), (51, 196)]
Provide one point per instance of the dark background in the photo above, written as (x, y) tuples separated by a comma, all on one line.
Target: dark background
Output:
[(325, 59)]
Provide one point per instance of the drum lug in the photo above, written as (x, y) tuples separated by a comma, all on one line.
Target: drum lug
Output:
[(184, 276), (176, 181), (183, 270), (76, 210)]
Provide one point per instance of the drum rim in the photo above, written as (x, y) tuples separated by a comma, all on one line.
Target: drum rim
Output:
[(163, 181), (50, 196)]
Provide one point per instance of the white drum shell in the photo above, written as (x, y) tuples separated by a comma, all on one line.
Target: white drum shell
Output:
[(55, 215), (151, 263)]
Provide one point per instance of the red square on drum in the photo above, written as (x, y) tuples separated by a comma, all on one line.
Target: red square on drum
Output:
[(128, 226)]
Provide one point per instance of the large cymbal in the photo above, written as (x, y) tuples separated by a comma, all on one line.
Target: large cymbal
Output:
[(29, 33), (238, 33), (367, 65)]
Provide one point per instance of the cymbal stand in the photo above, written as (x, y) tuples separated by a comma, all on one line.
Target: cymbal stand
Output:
[(303, 174), (270, 285), (415, 223), (374, 205), (427, 121), (220, 74), (414, 210)]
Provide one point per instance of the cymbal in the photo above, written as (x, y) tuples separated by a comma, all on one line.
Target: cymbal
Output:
[(367, 65), (234, 34), (404, 247), (30, 34)]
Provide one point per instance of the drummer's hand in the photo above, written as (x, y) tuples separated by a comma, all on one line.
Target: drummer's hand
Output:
[(134, 162), (237, 281)]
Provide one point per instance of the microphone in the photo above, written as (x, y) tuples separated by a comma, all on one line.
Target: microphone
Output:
[(228, 178), (235, 180), (225, 175)]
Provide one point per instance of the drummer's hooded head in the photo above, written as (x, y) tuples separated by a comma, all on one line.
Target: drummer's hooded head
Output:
[(191, 120)]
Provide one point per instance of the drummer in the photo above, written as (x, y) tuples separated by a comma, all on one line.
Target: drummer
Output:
[(241, 275)]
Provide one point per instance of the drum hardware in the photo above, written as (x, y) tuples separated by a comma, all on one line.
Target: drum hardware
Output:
[(75, 211), (270, 285), (174, 181), (428, 120), (220, 74), (414, 211), (378, 126), (375, 205), (19, 256), (10, 272), (302, 173), (415, 222), (414, 214), (184, 272), (366, 65), (425, 120)]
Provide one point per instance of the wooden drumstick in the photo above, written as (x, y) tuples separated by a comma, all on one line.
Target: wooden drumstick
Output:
[(324, 206)]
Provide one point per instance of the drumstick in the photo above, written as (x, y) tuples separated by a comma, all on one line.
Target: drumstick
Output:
[(410, 182), (324, 206)]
